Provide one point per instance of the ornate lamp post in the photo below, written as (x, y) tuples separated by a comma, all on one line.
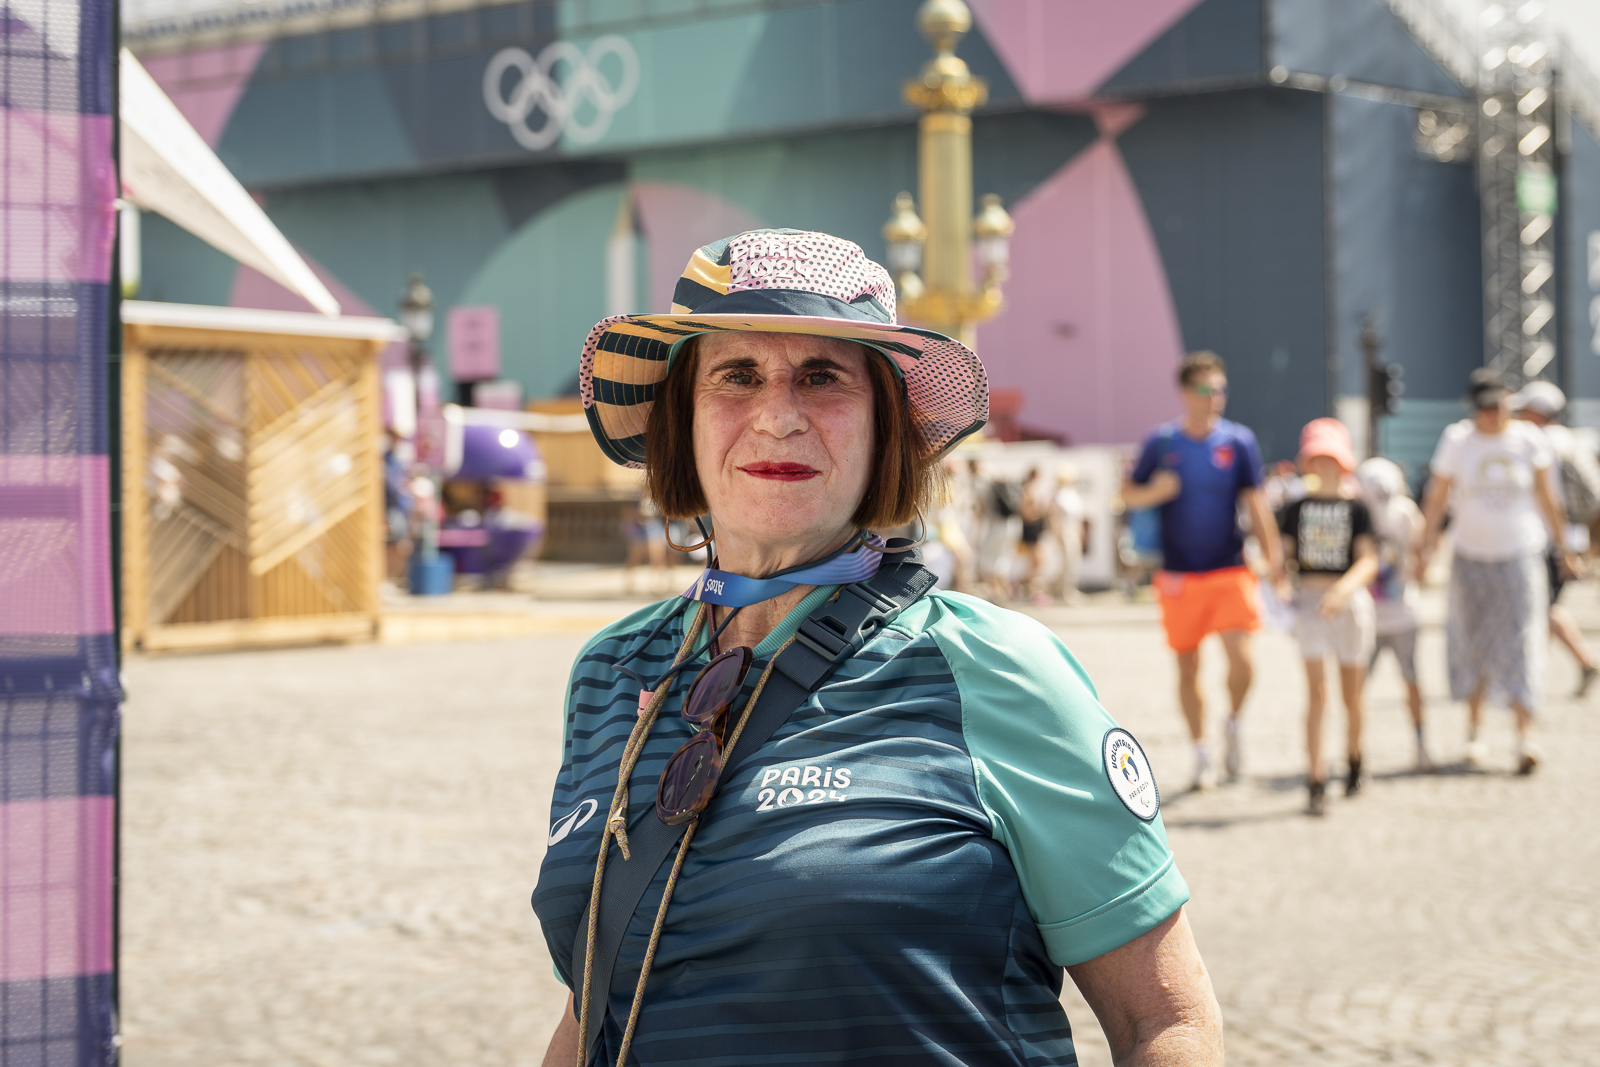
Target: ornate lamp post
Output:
[(416, 315), (430, 573), (932, 261)]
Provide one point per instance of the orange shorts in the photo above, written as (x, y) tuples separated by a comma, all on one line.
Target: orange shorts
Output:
[(1207, 602)]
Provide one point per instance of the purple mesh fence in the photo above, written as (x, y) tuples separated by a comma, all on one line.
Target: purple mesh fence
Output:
[(58, 678)]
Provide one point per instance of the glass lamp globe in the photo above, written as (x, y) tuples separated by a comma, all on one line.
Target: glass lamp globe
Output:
[(416, 308), (993, 229), (904, 235)]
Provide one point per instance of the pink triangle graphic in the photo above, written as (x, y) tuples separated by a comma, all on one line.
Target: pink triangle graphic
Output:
[(1061, 50), (1091, 336)]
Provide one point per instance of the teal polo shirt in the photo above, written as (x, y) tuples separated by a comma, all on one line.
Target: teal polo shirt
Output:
[(897, 876)]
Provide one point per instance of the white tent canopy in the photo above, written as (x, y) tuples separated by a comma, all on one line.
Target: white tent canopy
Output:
[(169, 169)]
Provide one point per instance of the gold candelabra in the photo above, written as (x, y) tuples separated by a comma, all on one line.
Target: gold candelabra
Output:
[(932, 260)]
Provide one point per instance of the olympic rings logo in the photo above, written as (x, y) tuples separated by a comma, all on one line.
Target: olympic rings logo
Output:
[(560, 100)]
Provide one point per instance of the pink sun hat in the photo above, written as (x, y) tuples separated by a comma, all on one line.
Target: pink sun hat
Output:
[(1328, 437), (777, 281)]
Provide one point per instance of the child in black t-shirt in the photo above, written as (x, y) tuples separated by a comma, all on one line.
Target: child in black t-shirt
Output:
[(1328, 537)]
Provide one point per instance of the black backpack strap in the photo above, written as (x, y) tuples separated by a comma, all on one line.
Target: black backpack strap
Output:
[(828, 636)]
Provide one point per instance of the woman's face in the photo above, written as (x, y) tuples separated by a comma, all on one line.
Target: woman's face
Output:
[(1493, 419), (782, 435)]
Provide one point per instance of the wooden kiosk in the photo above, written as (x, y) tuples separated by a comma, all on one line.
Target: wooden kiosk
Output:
[(252, 476)]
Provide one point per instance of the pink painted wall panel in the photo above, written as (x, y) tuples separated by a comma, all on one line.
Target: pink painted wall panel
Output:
[(206, 83), (1061, 50), (55, 565), (676, 220), (1090, 336), (55, 887), (56, 191)]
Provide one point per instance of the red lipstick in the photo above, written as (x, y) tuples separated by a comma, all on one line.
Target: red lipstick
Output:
[(781, 472)]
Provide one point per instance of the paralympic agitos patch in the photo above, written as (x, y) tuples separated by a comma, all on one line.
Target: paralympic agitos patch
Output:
[(1128, 771)]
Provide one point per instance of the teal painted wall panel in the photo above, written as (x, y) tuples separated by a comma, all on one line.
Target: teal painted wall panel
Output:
[(549, 282), (372, 233), (178, 268), (342, 123)]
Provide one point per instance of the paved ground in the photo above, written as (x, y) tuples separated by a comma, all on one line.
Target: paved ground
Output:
[(328, 854)]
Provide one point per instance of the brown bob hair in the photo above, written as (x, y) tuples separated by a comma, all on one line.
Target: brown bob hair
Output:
[(907, 479)]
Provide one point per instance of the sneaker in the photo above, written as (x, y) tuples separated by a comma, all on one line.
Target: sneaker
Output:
[(1205, 776), (1477, 755), (1352, 781), (1528, 759), (1230, 754), (1318, 804), (1585, 680)]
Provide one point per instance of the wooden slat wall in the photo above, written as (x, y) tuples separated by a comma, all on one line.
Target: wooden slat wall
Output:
[(255, 487)]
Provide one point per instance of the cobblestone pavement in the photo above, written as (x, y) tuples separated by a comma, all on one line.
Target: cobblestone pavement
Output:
[(328, 853)]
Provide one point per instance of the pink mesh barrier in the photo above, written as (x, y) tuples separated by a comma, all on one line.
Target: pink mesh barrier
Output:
[(59, 695), (49, 851)]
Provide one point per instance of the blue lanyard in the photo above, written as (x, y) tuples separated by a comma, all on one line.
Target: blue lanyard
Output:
[(737, 591)]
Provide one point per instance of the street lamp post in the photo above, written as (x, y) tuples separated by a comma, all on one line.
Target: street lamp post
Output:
[(430, 573), (932, 260)]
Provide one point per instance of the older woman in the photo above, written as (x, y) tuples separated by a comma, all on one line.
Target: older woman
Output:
[(811, 811), (1494, 474)]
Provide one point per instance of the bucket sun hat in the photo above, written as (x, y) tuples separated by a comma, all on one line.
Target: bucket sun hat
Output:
[(1328, 437), (777, 281)]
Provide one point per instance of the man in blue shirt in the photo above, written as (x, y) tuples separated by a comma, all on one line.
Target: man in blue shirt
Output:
[(1198, 470)]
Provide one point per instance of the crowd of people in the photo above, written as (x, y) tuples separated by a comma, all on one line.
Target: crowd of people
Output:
[(1343, 547), (1009, 539)]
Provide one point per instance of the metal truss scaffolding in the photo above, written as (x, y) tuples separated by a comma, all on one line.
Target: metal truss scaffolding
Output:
[(1517, 185)]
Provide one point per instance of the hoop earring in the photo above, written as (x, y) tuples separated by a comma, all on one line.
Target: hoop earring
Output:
[(691, 548), (902, 548)]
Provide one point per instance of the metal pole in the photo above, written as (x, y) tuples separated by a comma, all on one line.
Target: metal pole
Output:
[(944, 152), (1371, 343)]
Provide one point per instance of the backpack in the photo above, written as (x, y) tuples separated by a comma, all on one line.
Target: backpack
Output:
[(1580, 484)]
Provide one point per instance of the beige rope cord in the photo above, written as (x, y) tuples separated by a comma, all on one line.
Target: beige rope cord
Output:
[(677, 867), (617, 818), (616, 826)]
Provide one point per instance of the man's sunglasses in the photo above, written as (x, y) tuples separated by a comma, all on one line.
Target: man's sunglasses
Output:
[(1204, 390), (690, 777)]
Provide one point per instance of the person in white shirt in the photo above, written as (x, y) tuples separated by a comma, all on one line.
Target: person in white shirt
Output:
[(1494, 474), (1541, 404), (1397, 522), (1069, 514)]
